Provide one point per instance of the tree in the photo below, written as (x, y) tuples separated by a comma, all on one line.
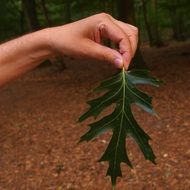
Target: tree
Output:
[(126, 13), (31, 14), (155, 30), (151, 19), (68, 11), (45, 12), (147, 24), (177, 18)]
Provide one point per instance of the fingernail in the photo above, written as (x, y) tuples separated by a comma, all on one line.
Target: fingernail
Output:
[(118, 62)]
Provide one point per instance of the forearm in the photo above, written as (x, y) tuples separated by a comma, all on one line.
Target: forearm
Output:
[(81, 39), (21, 55)]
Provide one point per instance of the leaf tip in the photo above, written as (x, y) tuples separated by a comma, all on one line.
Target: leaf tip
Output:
[(157, 115), (154, 161), (79, 120), (82, 117), (130, 165), (113, 186), (80, 141)]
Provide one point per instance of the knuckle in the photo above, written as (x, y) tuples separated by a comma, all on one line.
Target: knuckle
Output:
[(103, 19), (136, 30), (104, 15)]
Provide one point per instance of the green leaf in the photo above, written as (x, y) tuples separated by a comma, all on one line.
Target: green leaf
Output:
[(121, 91)]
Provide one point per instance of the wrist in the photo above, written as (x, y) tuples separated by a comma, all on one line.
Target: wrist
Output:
[(46, 40), (42, 44)]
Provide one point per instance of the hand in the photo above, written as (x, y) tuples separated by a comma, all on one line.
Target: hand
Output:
[(82, 39)]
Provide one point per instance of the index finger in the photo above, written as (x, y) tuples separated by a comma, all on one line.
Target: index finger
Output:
[(113, 32), (131, 31)]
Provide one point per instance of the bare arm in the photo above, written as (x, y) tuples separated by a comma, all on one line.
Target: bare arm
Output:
[(21, 55), (81, 39)]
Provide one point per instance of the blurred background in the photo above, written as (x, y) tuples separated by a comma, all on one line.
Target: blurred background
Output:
[(38, 112), (159, 21)]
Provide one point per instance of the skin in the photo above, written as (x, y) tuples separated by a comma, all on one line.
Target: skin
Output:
[(81, 39)]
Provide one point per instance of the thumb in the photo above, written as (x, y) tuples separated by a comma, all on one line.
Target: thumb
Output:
[(103, 53)]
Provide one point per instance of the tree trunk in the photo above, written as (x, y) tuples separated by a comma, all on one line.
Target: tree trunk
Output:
[(176, 20), (108, 6), (155, 30), (147, 24), (177, 26), (68, 11), (22, 21), (21, 16), (31, 14), (126, 13), (46, 12)]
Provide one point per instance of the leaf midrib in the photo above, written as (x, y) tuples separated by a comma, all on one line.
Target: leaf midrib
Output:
[(121, 123)]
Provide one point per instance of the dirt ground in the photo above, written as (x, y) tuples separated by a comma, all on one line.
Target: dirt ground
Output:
[(39, 133)]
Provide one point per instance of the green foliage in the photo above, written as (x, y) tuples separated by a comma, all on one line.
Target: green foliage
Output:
[(168, 19), (121, 90), (9, 18)]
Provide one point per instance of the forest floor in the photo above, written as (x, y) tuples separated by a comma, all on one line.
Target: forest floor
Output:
[(39, 132)]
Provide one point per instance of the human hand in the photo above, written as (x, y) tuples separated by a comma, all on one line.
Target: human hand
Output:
[(82, 39)]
